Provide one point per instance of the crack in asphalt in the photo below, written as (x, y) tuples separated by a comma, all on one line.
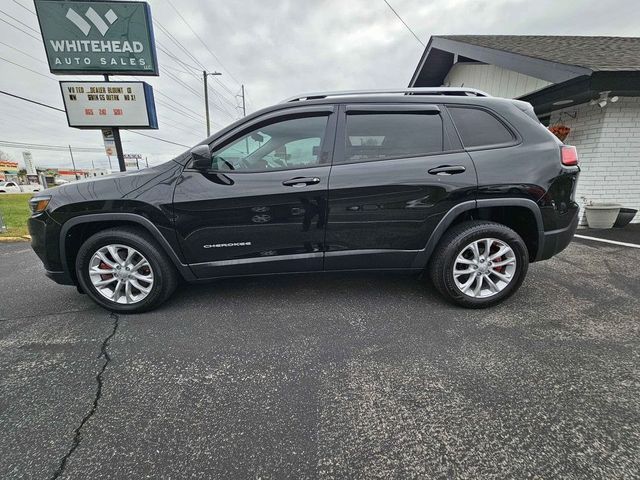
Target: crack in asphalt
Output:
[(77, 437)]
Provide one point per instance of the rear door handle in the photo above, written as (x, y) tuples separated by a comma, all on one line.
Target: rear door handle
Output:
[(447, 170), (301, 181)]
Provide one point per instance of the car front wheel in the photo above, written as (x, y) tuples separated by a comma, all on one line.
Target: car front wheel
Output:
[(478, 263), (124, 270)]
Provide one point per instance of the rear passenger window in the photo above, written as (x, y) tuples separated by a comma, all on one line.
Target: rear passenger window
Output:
[(478, 128), (378, 136)]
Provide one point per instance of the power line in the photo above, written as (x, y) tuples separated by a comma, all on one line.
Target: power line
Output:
[(159, 139), (23, 52), (31, 101), (197, 78), (195, 121), (190, 72), (178, 44), (61, 110), (227, 101), (202, 42), (174, 77), (179, 70), (20, 22), (55, 108), (178, 108), (22, 6), (27, 68), (178, 60), (185, 85), (404, 23), (52, 148), (18, 28), (173, 125), (197, 93)]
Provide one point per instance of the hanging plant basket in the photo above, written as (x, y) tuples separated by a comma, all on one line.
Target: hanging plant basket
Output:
[(560, 131)]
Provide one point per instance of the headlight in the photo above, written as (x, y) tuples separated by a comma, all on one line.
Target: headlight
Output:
[(39, 204)]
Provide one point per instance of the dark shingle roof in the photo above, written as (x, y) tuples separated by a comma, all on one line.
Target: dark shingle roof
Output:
[(595, 53)]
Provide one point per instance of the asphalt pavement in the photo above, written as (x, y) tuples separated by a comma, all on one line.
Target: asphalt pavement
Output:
[(325, 376)]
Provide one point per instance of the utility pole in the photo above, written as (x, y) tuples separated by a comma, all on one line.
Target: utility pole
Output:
[(244, 107), (205, 74), (73, 162)]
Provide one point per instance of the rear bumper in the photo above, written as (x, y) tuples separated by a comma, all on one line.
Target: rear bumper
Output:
[(555, 241)]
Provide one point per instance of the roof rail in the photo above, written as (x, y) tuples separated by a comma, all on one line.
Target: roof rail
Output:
[(459, 91)]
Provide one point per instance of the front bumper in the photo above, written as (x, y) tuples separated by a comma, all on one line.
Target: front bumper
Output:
[(45, 241), (555, 241)]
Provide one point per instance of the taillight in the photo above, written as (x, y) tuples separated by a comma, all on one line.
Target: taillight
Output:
[(568, 155)]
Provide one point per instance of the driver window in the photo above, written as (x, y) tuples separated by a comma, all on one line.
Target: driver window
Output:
[(293, 143)]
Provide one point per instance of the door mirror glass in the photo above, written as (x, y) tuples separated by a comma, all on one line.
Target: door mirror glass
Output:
[(201, 157)]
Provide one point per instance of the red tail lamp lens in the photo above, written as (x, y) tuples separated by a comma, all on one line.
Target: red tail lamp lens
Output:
[(569, 156)]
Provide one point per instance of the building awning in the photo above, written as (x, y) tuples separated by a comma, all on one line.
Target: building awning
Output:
[(579, 67)]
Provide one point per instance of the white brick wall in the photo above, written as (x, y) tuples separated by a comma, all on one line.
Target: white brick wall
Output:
[(608, 143)]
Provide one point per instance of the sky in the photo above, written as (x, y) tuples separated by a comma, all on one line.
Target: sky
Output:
[(276, 49)]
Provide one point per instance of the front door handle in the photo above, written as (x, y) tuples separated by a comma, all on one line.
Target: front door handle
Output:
[(447, 170), (301, 181)]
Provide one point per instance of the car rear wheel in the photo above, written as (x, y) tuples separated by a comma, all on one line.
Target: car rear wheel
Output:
[(478, 264), (124, 270)]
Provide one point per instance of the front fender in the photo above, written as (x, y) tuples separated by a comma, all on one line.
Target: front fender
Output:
[(145, 223)]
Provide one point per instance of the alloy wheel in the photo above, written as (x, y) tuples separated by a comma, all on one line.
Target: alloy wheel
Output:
[(121, 274), (484, 268)]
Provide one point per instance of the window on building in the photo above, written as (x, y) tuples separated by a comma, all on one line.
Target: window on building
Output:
[(379, 136), (478, 127)]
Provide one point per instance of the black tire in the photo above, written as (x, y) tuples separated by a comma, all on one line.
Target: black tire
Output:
[(455, 240), (165, 276)]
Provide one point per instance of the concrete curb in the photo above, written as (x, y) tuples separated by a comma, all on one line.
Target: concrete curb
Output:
[(24, 238)]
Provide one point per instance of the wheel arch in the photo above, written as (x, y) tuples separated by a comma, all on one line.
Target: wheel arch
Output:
[(74, 231), (520, 214)]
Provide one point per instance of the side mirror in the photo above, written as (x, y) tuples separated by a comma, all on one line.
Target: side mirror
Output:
[(201, 157)]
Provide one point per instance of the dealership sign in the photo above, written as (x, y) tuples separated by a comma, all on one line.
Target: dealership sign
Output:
[(98, 37), (109, 142), (131, 159), (109, 104)]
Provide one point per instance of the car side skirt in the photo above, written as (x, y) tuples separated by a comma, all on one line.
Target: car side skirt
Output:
[(182, 268)]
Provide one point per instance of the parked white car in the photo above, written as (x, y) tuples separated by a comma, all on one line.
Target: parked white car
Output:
[(13, 187)]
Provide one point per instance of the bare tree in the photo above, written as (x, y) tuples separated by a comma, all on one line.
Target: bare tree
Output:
[(5, 156)]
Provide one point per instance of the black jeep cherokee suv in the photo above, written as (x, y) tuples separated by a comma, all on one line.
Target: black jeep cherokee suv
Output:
[(469, 187)]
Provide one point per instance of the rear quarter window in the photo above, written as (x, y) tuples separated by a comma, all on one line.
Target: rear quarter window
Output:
[(478, 128)]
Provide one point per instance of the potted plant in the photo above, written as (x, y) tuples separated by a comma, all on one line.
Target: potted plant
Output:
[(625, 216), (602, 215), (559, 130)]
